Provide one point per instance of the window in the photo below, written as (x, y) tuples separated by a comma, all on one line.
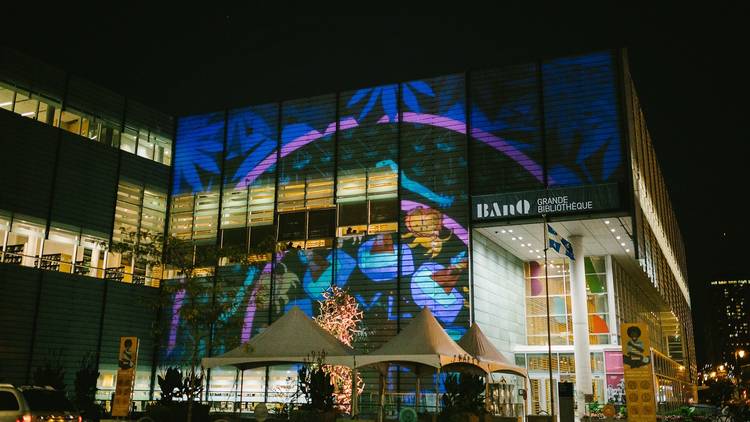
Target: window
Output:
[(8, 401), (49, 112), (145, 148), (7, 96), (292, 226), (128, 140), (70, 122), (59, 249), (561, 322), (321, 223), (25, 240), (25, 105)]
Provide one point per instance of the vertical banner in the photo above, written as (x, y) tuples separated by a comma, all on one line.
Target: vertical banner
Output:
[(126, 362), (639, 380)]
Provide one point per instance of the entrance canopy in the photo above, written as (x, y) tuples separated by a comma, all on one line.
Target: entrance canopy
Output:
[(291, 339), (422, 342), (482, 349)]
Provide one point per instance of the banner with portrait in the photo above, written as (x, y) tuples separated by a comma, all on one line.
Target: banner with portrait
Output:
[(639, 377), (126, 363)]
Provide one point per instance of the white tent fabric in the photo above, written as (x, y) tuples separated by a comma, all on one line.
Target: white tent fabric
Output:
[(423, 341), (291, 339), (481, 348)]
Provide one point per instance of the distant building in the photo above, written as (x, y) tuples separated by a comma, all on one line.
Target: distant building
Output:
[(731, 306)]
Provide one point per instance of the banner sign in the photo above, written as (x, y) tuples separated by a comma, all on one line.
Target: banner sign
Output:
[(581, 199), (126, 362), (639, 377)]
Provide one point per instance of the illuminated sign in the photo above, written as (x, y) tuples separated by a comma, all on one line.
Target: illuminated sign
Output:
[(584, 199)]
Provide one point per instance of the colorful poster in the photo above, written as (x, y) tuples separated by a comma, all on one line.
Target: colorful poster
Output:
[(639, 379), (126, 362)]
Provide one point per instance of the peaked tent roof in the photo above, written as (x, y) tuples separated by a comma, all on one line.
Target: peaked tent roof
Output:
[(291, 339), (480, 347), (423, 341)]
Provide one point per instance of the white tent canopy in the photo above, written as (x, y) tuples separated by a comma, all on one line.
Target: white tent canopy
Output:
[(481, 348), (291, 339), (423, 342)]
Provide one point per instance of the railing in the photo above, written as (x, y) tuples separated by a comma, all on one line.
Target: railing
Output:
[(54, 262)]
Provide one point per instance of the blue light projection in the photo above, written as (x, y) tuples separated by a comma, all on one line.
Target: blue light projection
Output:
[(198, 153), (394, 275)]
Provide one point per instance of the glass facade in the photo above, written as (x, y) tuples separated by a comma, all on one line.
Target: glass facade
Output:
[(112, 132), (560, 307), (370, 190)]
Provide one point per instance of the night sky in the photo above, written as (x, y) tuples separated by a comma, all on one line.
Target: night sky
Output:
[(689, 67)]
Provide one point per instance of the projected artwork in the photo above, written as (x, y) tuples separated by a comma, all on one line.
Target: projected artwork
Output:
[(421, 135)]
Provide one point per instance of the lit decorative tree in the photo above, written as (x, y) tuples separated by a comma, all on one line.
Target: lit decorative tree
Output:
[(340, 315)]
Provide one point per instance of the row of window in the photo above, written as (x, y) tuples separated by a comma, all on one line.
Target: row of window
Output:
[(366, 203), (137, 141), (561, 321), (26, 241)]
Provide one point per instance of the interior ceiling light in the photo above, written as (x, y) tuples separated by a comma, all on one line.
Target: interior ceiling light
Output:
[(606, 221), (617, 237), (501, 231), (520, 238), (5, 104), (510, 231), (512, 238), (612, 230), (627, 250), (622, 244)]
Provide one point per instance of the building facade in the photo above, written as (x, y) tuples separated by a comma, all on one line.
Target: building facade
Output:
[(428, 193), (730, 302)]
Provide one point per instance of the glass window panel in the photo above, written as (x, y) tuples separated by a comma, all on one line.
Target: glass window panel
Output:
[(261, 236), (382, 183), (59, 250), (70, 121), (260, 205), (322, 223), (383, 211), (292, 226), (145, 146), (24, 241), (206, 215), (6, 97), (128, 140), (234, 238), (352, 186), (234, 208), (25, 105), (162, 149)]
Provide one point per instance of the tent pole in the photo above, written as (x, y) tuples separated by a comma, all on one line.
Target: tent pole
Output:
[(242, 387), (418, 394), (437, 394), (381, 396), (355, 391)]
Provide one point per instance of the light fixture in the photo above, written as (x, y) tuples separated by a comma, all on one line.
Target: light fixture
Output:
[(510, 231), (617, 237), (520, 238), (627, 250), (5, 104), (28, 113), (512, 238), (531, 251), (622, 244), (537, 251), (612, 230), (502, 231), (538, 257), (606, 221)]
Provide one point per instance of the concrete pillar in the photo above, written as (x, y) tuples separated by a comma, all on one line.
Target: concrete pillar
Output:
[(93, 270), (580, 315)]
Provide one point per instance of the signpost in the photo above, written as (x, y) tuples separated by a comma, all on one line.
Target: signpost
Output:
[(126, 362)]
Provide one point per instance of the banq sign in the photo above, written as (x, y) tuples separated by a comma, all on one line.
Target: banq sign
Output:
[(584, 199)]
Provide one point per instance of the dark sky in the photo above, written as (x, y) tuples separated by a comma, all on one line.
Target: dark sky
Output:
[(689, 67)]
